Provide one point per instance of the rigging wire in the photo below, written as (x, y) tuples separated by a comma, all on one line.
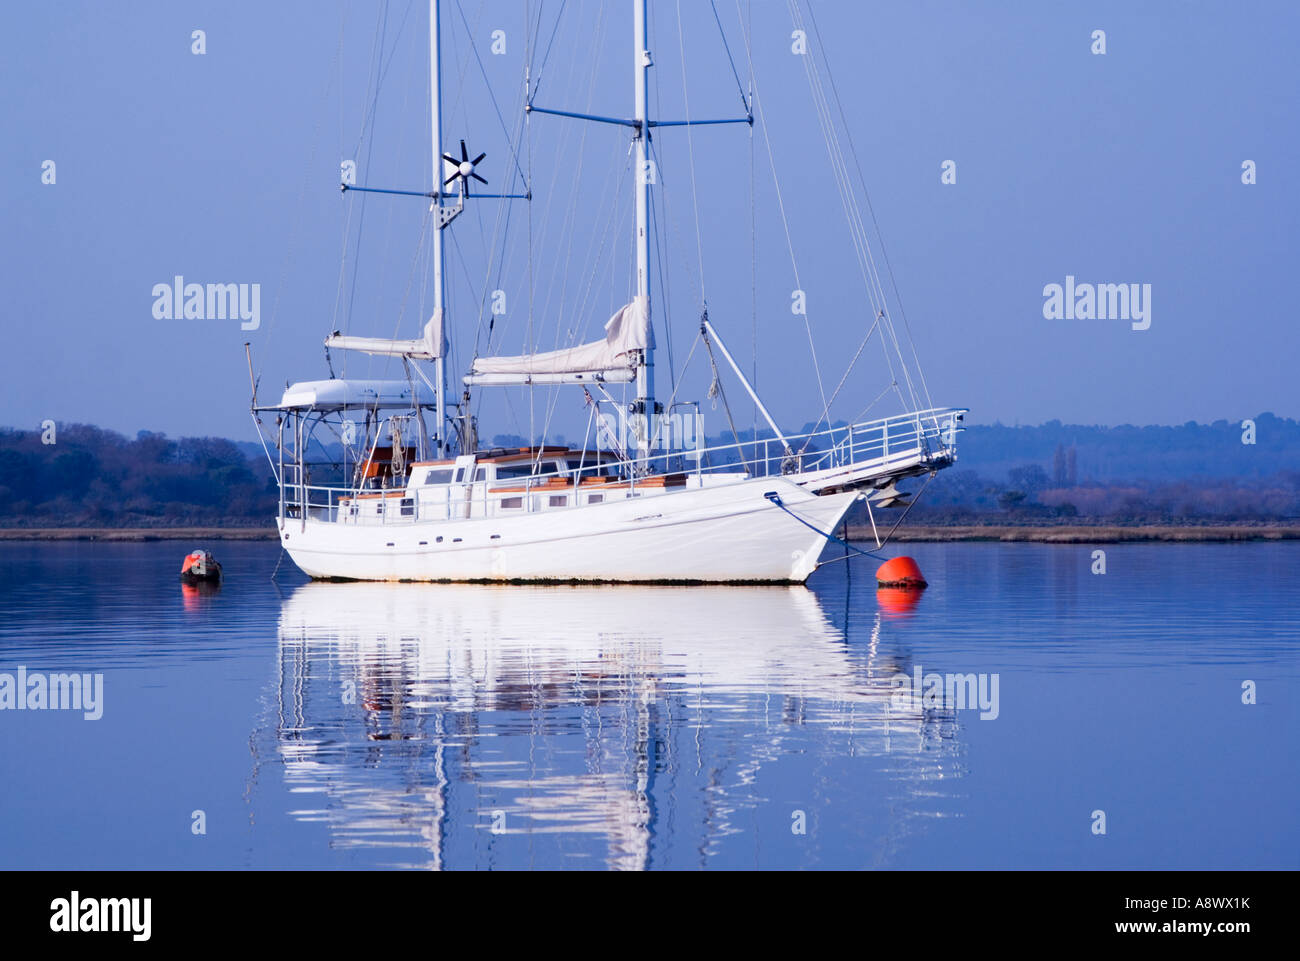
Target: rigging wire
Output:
[(617, 217), (502, 233), (661, 253), (716, 390), (866, 410), (690, 143), (361, 219), (384, 63), (528, 127), (537, 83), (523, 136), (388, 233), (871, 209), (761, 113), (497, 251), (726, 46), (541, 240), (488, 84), (673, 397), (656, 211), (747, 28), (696, 293), (568, 336), (292, 250), (853, 215), (840, 386)]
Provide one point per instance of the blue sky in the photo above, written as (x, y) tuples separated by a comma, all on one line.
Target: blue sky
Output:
[(223, 168)]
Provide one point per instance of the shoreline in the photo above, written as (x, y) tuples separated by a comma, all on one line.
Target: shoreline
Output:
[(138, 534), (1073, 534), (1086, 534)]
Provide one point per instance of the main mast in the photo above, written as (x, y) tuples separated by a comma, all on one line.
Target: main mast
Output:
[(435, 98), (645, 374)]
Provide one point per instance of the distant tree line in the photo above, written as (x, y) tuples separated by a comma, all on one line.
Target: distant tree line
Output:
[(1030, 495), (1244, 471), (1051, 473), (91, 477), (1153, 454)]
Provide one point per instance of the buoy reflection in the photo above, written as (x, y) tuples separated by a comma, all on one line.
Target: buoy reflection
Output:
[(898, 601)]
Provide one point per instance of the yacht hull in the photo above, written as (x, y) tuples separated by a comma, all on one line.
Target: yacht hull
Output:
[(729, 533)]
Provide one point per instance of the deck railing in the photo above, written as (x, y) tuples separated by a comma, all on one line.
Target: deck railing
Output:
[(904, 441)]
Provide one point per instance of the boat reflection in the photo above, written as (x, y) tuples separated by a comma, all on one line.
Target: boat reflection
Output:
[(195, 595), (601, 723)]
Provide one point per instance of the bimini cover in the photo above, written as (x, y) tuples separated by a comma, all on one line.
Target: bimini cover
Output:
[(626, 331), (338, 394)]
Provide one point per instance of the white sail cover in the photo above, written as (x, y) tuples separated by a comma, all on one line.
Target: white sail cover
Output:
[(428, 347), (628, 330)]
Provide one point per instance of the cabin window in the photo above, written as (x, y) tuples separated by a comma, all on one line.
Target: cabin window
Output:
[(595, 498), (438, 476), (408, 507), (460, 474), (528, 469), (515, 470), (558, 500), (512, 503), (480, 474)]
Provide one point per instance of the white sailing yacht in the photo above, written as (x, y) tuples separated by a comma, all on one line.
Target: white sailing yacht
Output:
[(414, 496)]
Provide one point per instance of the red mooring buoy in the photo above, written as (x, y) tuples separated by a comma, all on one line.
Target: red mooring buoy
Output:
[(900, 572)]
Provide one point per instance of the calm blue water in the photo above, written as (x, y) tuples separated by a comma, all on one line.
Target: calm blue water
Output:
[(353, 725)]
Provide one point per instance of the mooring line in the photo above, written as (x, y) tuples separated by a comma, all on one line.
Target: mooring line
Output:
[(775, 498)]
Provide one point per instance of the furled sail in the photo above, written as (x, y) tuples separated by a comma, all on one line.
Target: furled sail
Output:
[(428, 347), (627, 331)]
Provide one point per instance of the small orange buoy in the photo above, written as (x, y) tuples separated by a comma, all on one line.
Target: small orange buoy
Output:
[(900, 572)]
